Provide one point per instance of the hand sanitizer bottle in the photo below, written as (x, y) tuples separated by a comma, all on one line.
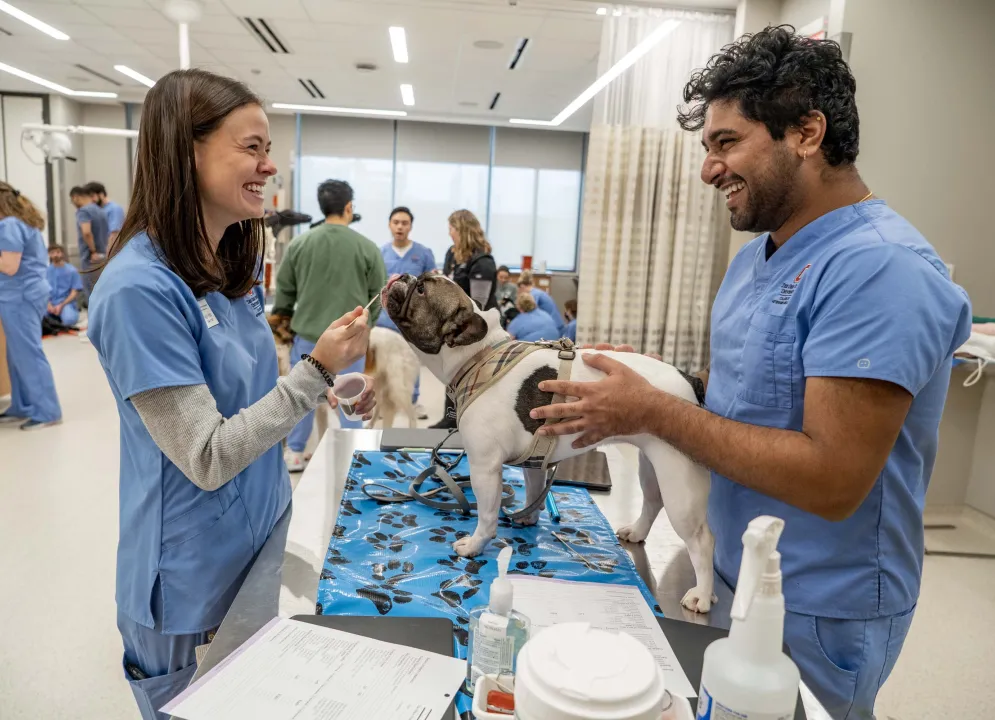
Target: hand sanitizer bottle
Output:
[(497, 632), (747, 676)]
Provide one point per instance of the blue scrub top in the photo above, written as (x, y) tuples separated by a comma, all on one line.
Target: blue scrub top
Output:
[(93, 214), (115, 216), (547, 304), (29, 282), (858, 293), (532, 326), (151, 332), (570, 330), (62, 281), (417, 260)]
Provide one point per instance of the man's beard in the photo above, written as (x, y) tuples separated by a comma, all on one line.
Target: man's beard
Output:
[(769, 197)]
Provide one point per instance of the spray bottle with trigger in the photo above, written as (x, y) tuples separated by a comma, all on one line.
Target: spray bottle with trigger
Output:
[(747, 676)]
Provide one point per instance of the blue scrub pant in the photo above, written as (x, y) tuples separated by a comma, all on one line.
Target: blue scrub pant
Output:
[(298, 437), (88, 279), (845, 662), (69, 315), (32, 393), (168, 661)]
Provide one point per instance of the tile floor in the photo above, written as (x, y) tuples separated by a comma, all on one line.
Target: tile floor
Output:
[(59, 648)]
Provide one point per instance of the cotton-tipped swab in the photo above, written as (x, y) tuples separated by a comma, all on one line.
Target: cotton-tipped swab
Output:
[(368, 306)]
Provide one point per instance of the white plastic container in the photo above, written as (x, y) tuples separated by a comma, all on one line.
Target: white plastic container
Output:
[(575, 672), (349, 388), (747, 676)]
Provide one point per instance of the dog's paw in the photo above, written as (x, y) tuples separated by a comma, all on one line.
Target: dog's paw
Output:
[(696, 600), (634, 533), (469, 546), (529, 521)]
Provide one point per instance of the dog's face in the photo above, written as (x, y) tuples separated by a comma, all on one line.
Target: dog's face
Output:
[(432, 311)]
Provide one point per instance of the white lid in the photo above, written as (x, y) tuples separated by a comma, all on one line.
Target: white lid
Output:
[(575, 672)]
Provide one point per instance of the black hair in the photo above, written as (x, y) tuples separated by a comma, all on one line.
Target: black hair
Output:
[(95, 188), (401, 209), (778, 78), (333, 196), (76, 190), (504, 268)]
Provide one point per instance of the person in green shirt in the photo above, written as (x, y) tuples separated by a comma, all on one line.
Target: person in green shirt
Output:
[(326, 272)]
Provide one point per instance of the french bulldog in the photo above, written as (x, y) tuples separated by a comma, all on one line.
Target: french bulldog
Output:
[(446, 329)]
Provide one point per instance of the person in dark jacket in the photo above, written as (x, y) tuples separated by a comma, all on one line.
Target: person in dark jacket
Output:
[(475, 271)]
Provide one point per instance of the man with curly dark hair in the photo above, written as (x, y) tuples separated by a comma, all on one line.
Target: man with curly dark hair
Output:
[(831, 345)]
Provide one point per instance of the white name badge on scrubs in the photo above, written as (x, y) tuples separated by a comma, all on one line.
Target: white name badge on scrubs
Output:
[(208, 314)]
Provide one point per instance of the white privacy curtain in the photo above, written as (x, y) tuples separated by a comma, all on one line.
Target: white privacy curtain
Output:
[(654, 238)]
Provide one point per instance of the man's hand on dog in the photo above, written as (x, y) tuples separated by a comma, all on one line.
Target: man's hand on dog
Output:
[(619, 404)]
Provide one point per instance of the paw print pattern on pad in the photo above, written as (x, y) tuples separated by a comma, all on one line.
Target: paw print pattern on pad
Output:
[(398, 520), (446, 534), (382, 541), (383, 591)]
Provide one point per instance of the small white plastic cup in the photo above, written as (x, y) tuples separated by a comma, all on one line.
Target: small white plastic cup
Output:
[(348, 389)]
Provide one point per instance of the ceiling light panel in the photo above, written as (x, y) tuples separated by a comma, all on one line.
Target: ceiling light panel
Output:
[(135, 75), (32, 21), (17, 72), (399, 44), (339, 110), (407, 95)]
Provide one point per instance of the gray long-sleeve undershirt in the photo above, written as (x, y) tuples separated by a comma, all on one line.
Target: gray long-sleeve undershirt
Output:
[(210, 449)]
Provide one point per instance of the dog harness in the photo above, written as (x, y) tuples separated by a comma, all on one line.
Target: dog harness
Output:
[(490, 365)]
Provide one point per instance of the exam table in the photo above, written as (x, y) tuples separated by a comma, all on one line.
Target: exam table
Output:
[(283, 580)]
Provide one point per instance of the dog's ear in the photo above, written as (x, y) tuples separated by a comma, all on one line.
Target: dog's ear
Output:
[(464, 328)]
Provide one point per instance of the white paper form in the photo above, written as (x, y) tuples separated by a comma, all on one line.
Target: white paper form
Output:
[(618, 608), (298, 671)]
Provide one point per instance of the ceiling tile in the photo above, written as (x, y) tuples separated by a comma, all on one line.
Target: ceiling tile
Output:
[(290, 9)]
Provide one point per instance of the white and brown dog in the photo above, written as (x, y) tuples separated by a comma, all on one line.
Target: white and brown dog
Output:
[(446, 330)]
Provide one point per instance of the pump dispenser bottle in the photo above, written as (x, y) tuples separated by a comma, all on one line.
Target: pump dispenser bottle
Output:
[(747, 676), (497, 632)]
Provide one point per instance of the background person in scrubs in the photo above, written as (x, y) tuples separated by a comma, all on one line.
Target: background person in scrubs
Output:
[(831, 345), (531, 323), (113, 211), (65, 286), (543, 300), (91, 235), (403, 255), (23, 298), (191, 362), (324, 272)]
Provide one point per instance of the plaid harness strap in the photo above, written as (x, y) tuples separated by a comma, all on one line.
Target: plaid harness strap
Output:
[(490, 365)]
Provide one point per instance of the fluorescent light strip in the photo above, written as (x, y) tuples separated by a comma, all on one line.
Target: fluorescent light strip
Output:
[(407, 95), (601, 11), (399, 44), (51, 85), (135, 75), (32, 21), (329, 109), (627, 61)]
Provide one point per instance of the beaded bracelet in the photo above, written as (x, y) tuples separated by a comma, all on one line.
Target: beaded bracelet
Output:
[(329, 378)]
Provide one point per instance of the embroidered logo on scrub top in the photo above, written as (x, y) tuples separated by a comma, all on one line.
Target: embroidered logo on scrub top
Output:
[(254, 304), (864, 364), (788, 289)]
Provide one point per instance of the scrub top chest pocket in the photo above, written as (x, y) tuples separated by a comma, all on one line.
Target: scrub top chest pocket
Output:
[(768, 362)]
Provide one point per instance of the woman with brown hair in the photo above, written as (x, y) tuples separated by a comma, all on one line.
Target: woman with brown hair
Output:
[(24, 295), (474, 270), (190, 358)]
